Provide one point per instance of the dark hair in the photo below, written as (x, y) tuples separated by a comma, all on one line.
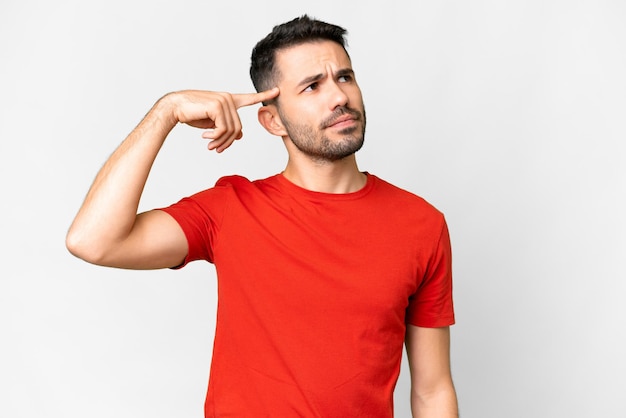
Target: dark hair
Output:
[(298, 31)]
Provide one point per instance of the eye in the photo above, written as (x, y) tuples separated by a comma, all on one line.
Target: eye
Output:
[(312, 87), (345, 79)]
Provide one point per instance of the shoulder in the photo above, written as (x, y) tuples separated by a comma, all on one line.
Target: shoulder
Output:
[(241, 182), (242, 186), (223, 189), (403, 200), (233, 181), (227, 193)]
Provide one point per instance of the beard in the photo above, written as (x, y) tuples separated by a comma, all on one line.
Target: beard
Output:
[(318, 146)]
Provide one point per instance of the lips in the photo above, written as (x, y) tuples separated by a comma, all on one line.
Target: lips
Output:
[(342, 116), (341, 120)]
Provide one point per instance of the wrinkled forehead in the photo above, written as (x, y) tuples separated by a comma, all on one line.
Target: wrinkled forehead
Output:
[(299, 61)]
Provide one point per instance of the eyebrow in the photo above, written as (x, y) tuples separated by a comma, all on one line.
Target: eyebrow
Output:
[(310, 79), (345, 71), (318, 77)]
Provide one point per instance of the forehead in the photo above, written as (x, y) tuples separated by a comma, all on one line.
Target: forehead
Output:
[(300, 61)]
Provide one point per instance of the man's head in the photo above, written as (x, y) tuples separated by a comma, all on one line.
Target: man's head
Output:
[(319, 112), (263, 68)]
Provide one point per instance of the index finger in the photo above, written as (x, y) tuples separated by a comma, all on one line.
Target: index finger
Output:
[(249, 99)]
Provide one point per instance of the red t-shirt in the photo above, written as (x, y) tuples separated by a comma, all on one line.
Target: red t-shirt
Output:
[(314, 293)]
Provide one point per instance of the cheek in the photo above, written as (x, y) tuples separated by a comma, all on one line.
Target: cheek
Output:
[(354, 94), (304, 113)]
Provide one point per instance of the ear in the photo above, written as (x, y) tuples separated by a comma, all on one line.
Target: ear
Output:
[(270, 119)]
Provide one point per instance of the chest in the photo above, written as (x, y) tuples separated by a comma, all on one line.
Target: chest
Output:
[(334, 258)]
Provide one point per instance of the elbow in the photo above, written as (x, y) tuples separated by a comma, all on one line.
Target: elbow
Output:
[(86, 249)]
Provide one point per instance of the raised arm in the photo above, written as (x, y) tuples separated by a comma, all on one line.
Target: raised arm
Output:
[(107, 229), (432, 390)]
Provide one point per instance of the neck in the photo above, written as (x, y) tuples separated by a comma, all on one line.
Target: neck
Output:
[(342, 176)]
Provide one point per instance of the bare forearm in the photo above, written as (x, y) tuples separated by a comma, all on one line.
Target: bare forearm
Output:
[(439, 404), (107, 229), (110, 207)]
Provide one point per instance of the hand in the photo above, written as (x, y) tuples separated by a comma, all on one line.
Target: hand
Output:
[(216, 112)]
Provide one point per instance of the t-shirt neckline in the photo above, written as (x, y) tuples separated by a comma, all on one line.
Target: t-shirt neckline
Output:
[(293, 188)]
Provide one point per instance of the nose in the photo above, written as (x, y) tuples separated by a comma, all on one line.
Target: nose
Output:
[(337, 97)]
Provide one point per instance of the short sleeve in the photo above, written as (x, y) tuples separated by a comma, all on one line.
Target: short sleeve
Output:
[(200, 217), (431, 306)]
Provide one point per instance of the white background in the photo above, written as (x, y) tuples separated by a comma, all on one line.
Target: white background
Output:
[(507, 116)]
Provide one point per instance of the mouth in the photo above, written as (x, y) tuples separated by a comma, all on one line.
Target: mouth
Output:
[(342, 122), (345, 118)]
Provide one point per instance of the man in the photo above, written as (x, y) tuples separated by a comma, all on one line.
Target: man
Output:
[(323, 270)]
